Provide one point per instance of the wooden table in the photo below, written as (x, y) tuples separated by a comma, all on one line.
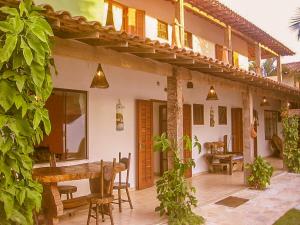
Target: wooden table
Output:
[(49, 176)]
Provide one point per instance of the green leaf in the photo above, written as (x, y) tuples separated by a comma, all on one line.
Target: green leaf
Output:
[(18, 61), (35, 44), (21, 196), (8, 48), (3, 120), (47, 125), (43, 25), (22, 8), (38, 74), (7, 95), (17, 24), (26, 52), (37, 118), (6, 27), (9, 74), (8, 201), (20, 81), (40, 34), (9, 11)]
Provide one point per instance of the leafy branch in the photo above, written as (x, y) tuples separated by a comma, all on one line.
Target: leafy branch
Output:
[(175, 194), (25, 85)]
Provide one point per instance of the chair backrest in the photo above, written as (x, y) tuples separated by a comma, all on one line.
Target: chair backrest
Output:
[(126, 162), (52, 159), (225, 140), (107, 178)]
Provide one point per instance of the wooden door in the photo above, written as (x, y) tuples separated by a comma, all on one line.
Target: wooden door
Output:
[(144, 144), (237, 129), (187, 130), (163, 129)]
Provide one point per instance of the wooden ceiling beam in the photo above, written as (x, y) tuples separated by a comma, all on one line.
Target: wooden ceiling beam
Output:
[(199, 66), (81, 35), (133, 50), (211, 70), (181, 62), (112, 44), (157, 56)]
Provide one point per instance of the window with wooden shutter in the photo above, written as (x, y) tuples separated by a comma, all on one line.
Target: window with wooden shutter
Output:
[(162, 30), (135, 22), (198, 114), (235, 59), (188, 40), (271, 118), (219, 52)]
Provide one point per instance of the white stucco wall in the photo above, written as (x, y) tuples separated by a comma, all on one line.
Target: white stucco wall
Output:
[(104, 142)]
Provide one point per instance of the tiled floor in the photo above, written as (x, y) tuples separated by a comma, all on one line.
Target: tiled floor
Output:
[(210, 188)]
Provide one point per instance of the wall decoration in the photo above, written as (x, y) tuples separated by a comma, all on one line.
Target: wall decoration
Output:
[(212, 117), (119, 116), (198, 114), (222, 111)]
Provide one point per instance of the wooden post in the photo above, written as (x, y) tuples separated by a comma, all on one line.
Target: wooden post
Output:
[(228, 44), (178, 26), (258, 59), (279, 69), (174, 110), (248, 150)]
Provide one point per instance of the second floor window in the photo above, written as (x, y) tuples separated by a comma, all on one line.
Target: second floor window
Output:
[(188, 40), (135, 22), (162, 30)]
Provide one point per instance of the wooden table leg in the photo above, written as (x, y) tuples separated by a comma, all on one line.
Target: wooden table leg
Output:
[(52, 204), (230, 166)]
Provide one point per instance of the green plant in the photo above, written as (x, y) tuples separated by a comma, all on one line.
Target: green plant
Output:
[(260, 173), (25, 85), (175, 194), (291, 150)]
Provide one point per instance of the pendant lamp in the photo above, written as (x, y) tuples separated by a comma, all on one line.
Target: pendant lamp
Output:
[(212, 95), (99, 80), (264, 102)]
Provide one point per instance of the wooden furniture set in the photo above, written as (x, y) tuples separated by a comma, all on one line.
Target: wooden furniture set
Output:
[(101, 176), (219, 158)]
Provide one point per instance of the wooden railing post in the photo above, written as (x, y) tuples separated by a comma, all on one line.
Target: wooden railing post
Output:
[(258, 59), (279, 69), (178, 26)]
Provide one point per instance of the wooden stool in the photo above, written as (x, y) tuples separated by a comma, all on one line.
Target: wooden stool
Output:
[(67, 190)]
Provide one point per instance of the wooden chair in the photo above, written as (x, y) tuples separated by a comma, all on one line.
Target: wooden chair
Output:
[(67, 190), (102, 202), (123, 185)]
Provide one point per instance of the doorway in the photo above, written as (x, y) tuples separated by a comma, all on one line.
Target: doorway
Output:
[(152, 121), (237, 129)]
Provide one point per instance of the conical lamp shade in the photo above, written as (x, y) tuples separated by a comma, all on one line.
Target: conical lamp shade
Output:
[(99, 80), (264, 102), (212, 95)]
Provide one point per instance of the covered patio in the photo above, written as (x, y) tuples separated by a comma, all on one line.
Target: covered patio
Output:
[(210, 188)]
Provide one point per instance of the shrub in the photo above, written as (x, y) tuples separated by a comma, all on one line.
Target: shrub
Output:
[(175, 194), (291, 151), (260, 173)]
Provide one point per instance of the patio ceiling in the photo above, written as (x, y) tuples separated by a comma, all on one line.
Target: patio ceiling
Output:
[(92, 33)]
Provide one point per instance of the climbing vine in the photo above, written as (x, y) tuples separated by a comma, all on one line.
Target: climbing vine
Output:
[(291, 150), (25, 85)]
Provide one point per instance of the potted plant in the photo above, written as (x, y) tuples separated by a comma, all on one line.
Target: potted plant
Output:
[(260, 173), (175, 194)]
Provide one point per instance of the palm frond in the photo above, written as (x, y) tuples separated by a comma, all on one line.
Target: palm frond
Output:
[(295, 22)]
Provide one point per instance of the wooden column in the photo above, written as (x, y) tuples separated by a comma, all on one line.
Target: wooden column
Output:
[(279, 69), (178, 26), (248, 143), (228, 43), (174, 110), (258, 59)]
